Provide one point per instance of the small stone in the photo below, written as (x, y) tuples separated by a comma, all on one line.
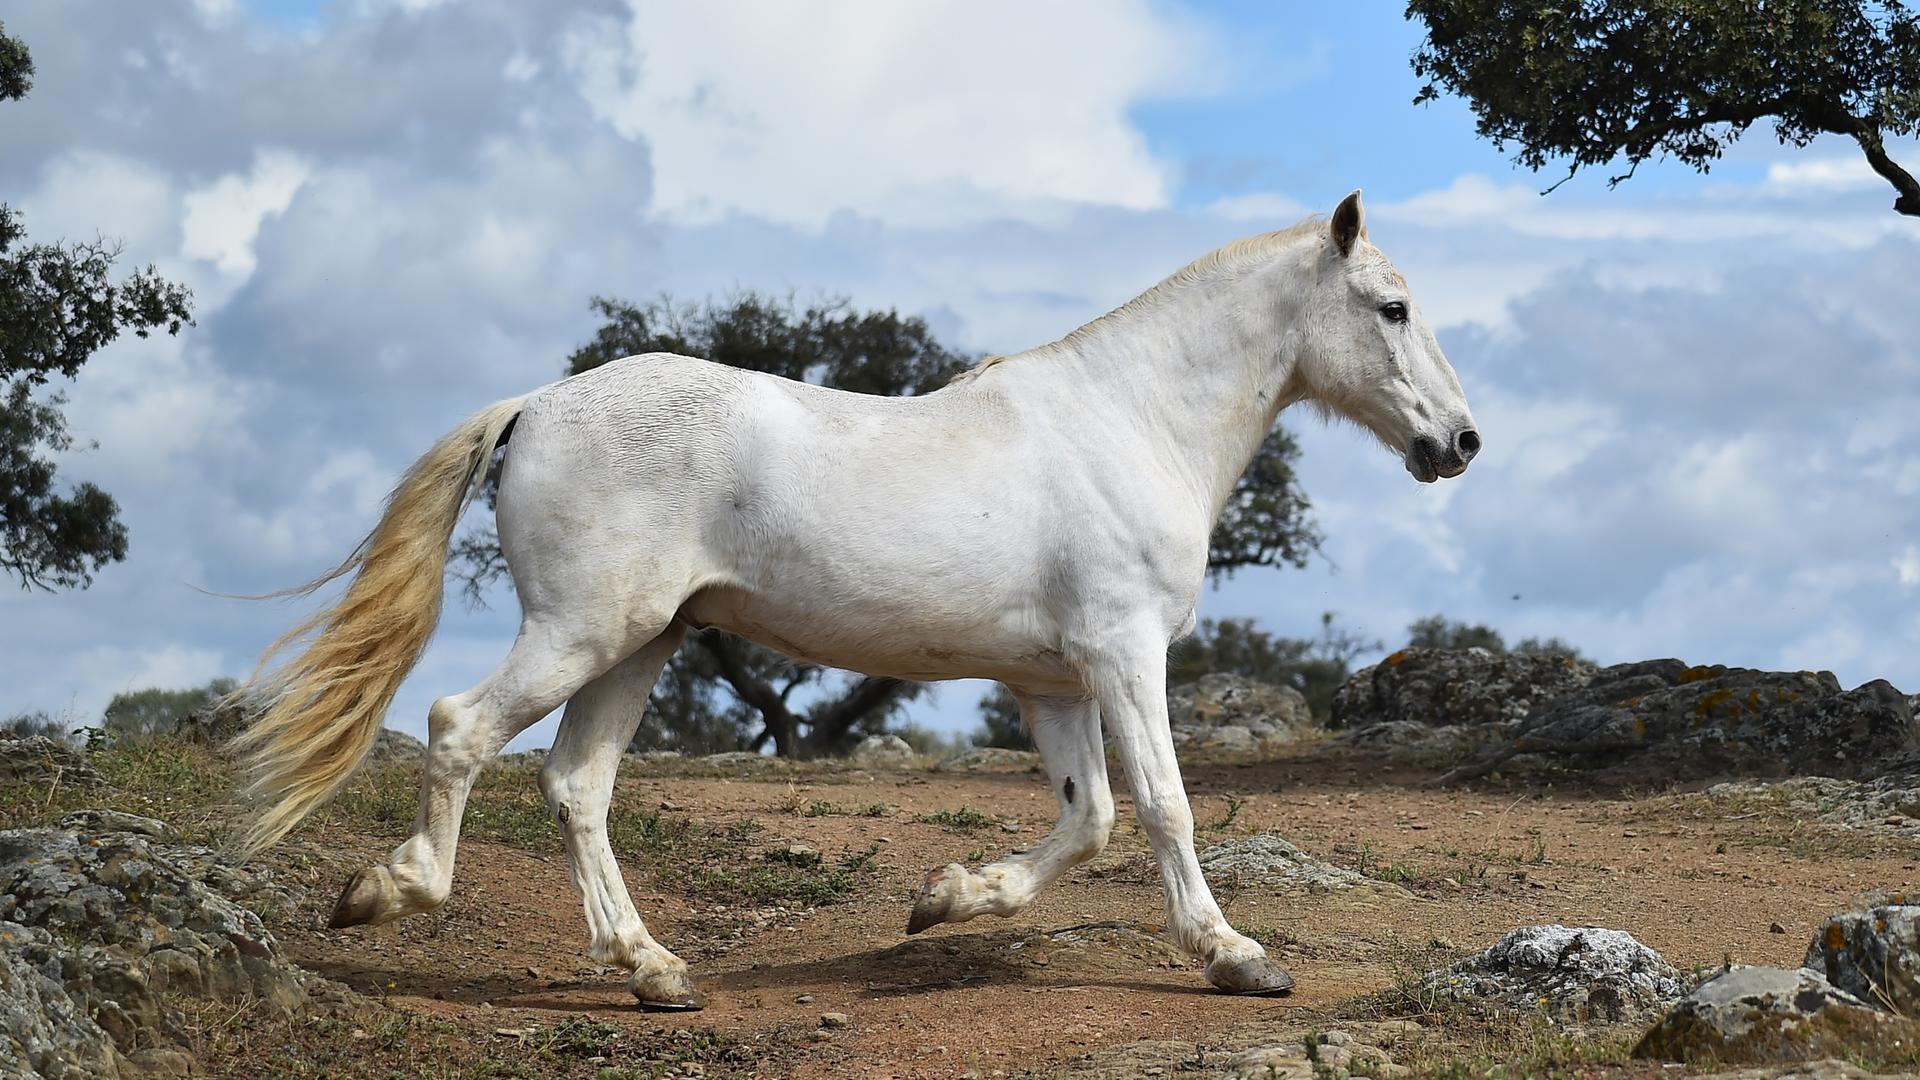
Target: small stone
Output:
[(1776, 928), (803, 999), (836, 1020)]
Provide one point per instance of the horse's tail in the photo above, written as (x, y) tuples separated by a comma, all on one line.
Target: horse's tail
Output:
[(323, 708)]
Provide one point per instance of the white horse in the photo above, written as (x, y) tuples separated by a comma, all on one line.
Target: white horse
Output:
[(1042, 520)]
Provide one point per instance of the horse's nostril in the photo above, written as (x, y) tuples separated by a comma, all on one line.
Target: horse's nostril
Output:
[(1468, 443)]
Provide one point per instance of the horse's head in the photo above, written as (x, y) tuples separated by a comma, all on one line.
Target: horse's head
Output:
[(1366, 354)]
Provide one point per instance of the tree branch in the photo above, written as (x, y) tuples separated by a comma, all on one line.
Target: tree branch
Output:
[(1868, 136), (752, 691), (870, 694)]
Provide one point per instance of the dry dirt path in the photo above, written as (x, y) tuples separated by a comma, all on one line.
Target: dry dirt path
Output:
[(1453, 871)]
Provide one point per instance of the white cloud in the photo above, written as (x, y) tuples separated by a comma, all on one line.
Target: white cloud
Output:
[(85, 194), (1822, 174), (223, 219), (923, 112), (1274, 210), (1907, 566)]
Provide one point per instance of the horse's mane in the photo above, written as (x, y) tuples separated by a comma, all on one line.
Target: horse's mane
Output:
[(1200, 269)]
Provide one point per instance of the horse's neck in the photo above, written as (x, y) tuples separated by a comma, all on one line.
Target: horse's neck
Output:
[(1202, 372)]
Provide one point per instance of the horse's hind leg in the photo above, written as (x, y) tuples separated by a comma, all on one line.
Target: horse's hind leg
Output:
[(547, 663), (578, 781), (1067, 733)]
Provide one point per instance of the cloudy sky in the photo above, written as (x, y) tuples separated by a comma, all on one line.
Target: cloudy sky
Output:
[(1697, 393)]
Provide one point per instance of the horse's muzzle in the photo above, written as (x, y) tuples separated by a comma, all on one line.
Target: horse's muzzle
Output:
[(1429, 460)]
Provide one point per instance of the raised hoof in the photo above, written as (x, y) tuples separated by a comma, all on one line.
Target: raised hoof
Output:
[(360, 902), (935, 902), (1255, 976), (668, 991)]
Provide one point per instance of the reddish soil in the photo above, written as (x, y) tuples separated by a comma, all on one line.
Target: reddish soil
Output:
[(1685, 877)]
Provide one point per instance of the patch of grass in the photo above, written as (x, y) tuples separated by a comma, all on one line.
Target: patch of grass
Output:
[(965, 819), (184, 784), (1272, 938), (1399, 873), (1232, 813), (1524, 1047), (878, 809), (374, 1041)]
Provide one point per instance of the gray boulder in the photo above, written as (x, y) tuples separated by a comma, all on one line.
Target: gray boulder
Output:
[(1759, 1015), (99, 929), (882, 752), (1231, 713), (399, 746), (1702, 720), (991, 759), (1268, 860), (1455, 687), (214, 725), (1656, 717), (38, 760), (1873, 953), (1588, 974)]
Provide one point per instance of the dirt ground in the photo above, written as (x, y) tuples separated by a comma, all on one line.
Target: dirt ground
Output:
[(1451, 871)]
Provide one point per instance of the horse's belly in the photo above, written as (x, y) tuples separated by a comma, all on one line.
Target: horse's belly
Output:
[(887, 640)]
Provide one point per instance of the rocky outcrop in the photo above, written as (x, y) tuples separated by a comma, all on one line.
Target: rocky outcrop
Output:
[(1270, 861), (991, 759), (101, 922), (398, 746), (1655, 717), (1320, 1055), (1455, 687), (1587, 974), (1233, 714), (1887, 805), (882, 752), (1702, 720), (38, 760), (1757, 1015), (215, 724), (1873, 953)]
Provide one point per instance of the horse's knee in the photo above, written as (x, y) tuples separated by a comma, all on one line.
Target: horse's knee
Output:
[(563, 795), (1166, 814), (1099, 827)]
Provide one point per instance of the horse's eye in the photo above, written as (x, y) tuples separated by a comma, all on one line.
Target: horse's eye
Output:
[(1395, 312)]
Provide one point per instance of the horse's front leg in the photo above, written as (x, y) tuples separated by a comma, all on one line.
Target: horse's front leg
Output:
[(1067, 733), (1127, 673)]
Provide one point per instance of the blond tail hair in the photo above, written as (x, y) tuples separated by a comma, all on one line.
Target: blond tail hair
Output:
[(323, 708)]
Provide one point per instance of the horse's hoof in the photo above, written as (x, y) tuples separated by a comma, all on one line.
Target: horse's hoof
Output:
[(1254, 976), (361, 901), (935, 902), (667, 991)]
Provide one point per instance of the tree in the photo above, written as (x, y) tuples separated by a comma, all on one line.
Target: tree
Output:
[(59, 306), (1440, 632), (1596, 81), (722, 692), (1000, 722), (137, 714), (28, 725)]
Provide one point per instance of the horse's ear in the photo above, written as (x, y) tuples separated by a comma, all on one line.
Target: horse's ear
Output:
[(1349, 223)]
